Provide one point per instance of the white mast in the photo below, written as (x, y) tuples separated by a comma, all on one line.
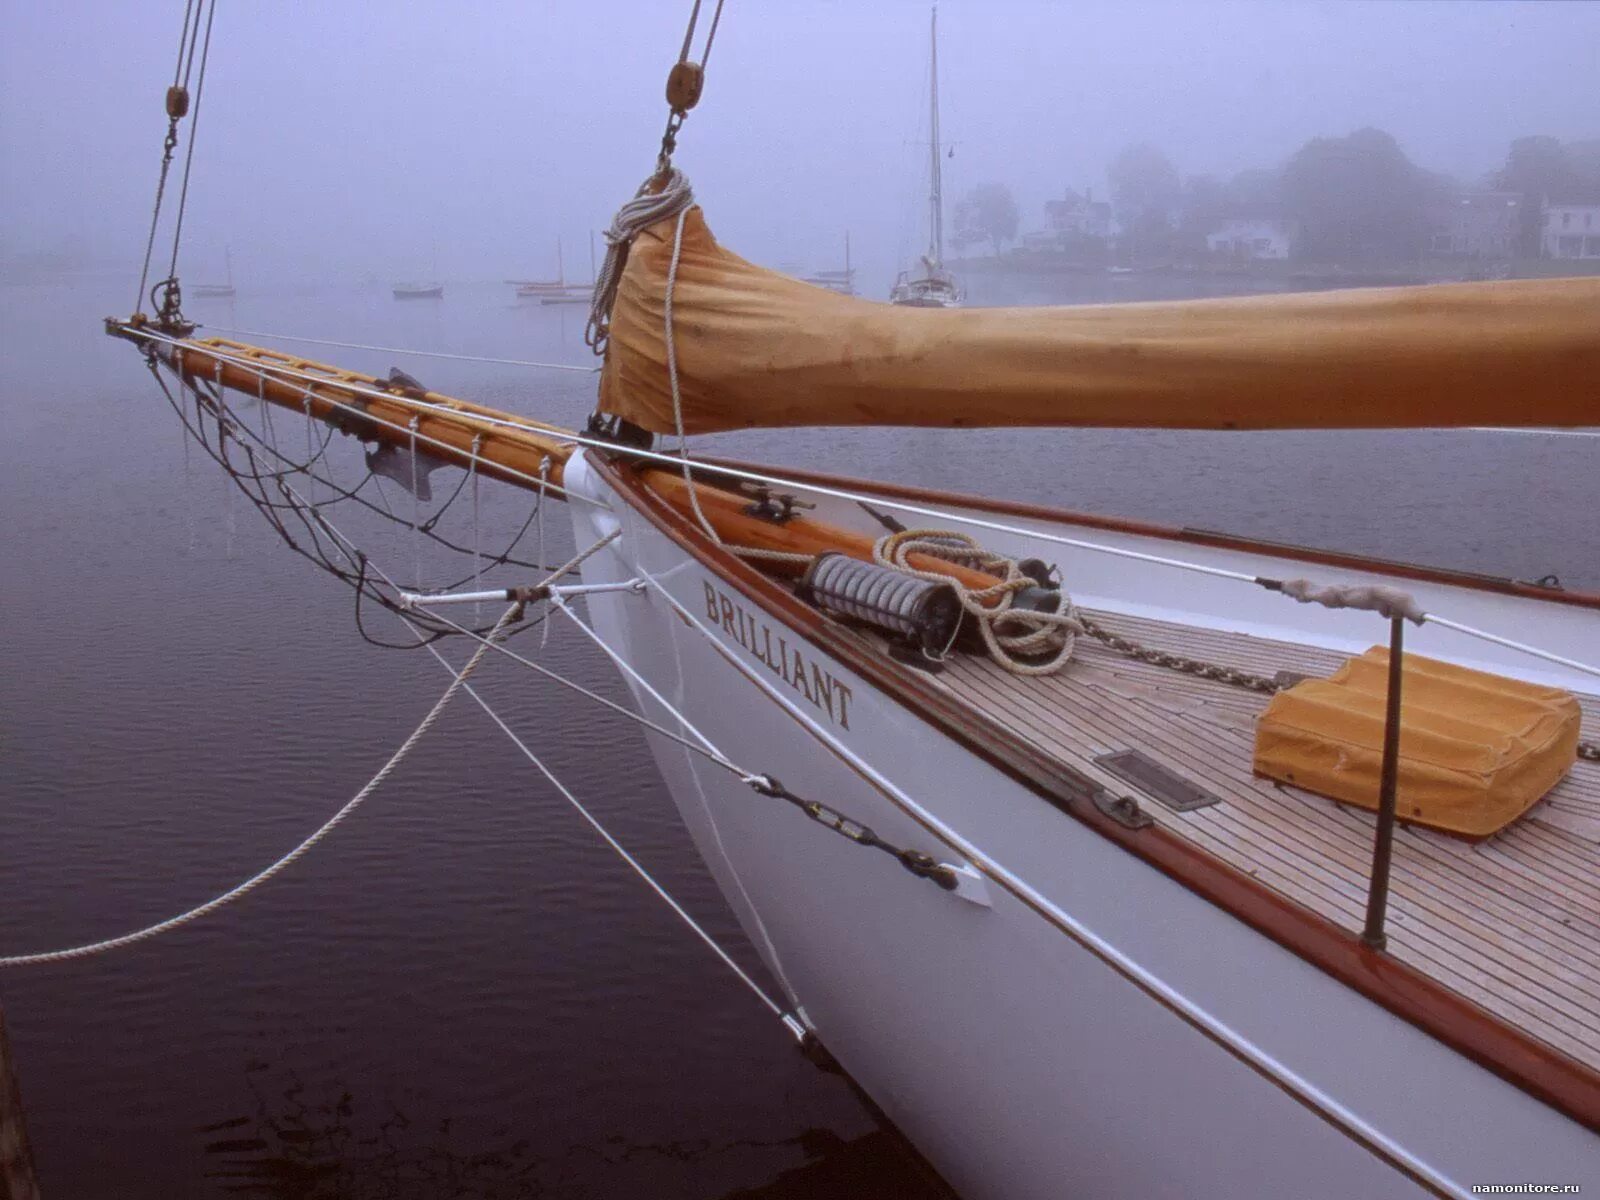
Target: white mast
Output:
[(935, 196)]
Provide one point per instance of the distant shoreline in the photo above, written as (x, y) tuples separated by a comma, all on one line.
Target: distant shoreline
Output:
[(1278, 273)]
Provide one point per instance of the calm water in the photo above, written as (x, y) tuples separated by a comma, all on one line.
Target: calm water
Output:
[(461, 992)]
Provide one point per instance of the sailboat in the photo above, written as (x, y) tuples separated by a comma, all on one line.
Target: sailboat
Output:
[(577, 293), (1111, 859), (841, 280), (930, 284), (219, 290), (558, 290)]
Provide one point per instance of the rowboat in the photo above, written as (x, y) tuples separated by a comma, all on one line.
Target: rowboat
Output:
[(1110, 859)]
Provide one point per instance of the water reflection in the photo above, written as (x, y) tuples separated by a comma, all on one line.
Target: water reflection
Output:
[(315, 1139)]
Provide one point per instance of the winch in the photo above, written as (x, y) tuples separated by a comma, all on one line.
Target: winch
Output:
[(920, 613)]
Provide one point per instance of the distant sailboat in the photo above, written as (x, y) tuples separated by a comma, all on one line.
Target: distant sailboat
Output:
[(931, 285), (558, 290), (218, 290), (841, 281)]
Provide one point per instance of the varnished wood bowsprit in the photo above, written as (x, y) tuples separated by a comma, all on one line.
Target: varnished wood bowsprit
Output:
[(515, 454), (446, 427)]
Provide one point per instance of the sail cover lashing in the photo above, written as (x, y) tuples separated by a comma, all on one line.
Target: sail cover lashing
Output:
[(756, 348)]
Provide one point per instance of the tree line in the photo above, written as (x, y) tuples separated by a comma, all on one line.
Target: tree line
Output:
[(1357, 199)]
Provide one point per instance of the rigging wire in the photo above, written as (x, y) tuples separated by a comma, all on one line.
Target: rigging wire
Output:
[(777, 1010), (709, 467), (194, 125), (427, 527), (177, 104), (312, 521)]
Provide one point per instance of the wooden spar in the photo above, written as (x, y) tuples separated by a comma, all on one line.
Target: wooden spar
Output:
[(799, 535), (512, 455)]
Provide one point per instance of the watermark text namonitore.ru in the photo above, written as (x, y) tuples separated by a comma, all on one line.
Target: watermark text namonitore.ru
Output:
[(1524, 1189)]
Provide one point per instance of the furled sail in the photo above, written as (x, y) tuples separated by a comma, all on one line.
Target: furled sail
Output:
[(755, 348)]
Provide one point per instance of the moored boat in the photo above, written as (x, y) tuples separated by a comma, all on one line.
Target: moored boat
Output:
[(930, 284)]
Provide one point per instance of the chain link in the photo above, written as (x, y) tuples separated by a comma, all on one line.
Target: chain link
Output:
[(1177, 662), (920, 864), (1589, 751)]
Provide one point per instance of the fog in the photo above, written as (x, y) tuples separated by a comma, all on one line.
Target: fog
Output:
[(338, 141)]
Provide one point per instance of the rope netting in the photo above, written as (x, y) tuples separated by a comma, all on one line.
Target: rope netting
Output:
[(295, 490)]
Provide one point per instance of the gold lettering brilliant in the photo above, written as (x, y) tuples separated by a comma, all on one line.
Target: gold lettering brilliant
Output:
[(820, 687)]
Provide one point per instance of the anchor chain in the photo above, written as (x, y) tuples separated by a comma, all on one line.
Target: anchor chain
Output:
[(919, 863), (1177, 662)]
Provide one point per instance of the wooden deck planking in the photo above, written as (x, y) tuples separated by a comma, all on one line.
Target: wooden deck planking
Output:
[(1508, 922)]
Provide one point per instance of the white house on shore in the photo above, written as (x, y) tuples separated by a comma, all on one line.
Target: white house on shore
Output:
[(1477, 224), (1071, 222), (1571, 231), (1254, 237)]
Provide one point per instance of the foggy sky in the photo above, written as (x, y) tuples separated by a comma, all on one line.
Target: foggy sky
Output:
[(333, 143)]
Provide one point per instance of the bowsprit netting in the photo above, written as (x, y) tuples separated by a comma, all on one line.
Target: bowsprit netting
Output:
[(296, 487)]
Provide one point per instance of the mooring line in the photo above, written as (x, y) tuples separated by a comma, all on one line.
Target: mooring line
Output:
[(261, 877)]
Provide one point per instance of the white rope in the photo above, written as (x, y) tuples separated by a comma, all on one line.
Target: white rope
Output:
[(657, 199), (255, 881), (510, 362), (672, 378), (671, 339)]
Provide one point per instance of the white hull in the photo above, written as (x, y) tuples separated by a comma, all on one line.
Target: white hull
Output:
[(936, 291), (1098, 1030)]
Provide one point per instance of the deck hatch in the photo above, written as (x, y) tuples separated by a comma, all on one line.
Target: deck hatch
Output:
[(1156, 780)]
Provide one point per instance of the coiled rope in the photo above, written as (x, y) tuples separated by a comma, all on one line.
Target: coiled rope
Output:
[(261, 877), (659, 198), (1023, 641)]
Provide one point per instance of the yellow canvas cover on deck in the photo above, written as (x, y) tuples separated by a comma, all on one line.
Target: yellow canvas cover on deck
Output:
[(1476, 749), (756, 348)]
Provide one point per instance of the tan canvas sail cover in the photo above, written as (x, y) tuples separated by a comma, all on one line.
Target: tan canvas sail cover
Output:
[(756, 348), (1476, 749)]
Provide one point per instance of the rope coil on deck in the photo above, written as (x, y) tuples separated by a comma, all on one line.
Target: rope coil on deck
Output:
[(1024, 641)]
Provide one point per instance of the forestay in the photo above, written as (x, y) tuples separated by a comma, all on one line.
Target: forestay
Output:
[(756, 348)]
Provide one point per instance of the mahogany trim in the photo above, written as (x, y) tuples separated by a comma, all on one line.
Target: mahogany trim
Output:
[(1194, 537), (1554, 1078)]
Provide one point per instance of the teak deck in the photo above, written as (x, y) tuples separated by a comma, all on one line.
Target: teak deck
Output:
[(1512, 922)]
